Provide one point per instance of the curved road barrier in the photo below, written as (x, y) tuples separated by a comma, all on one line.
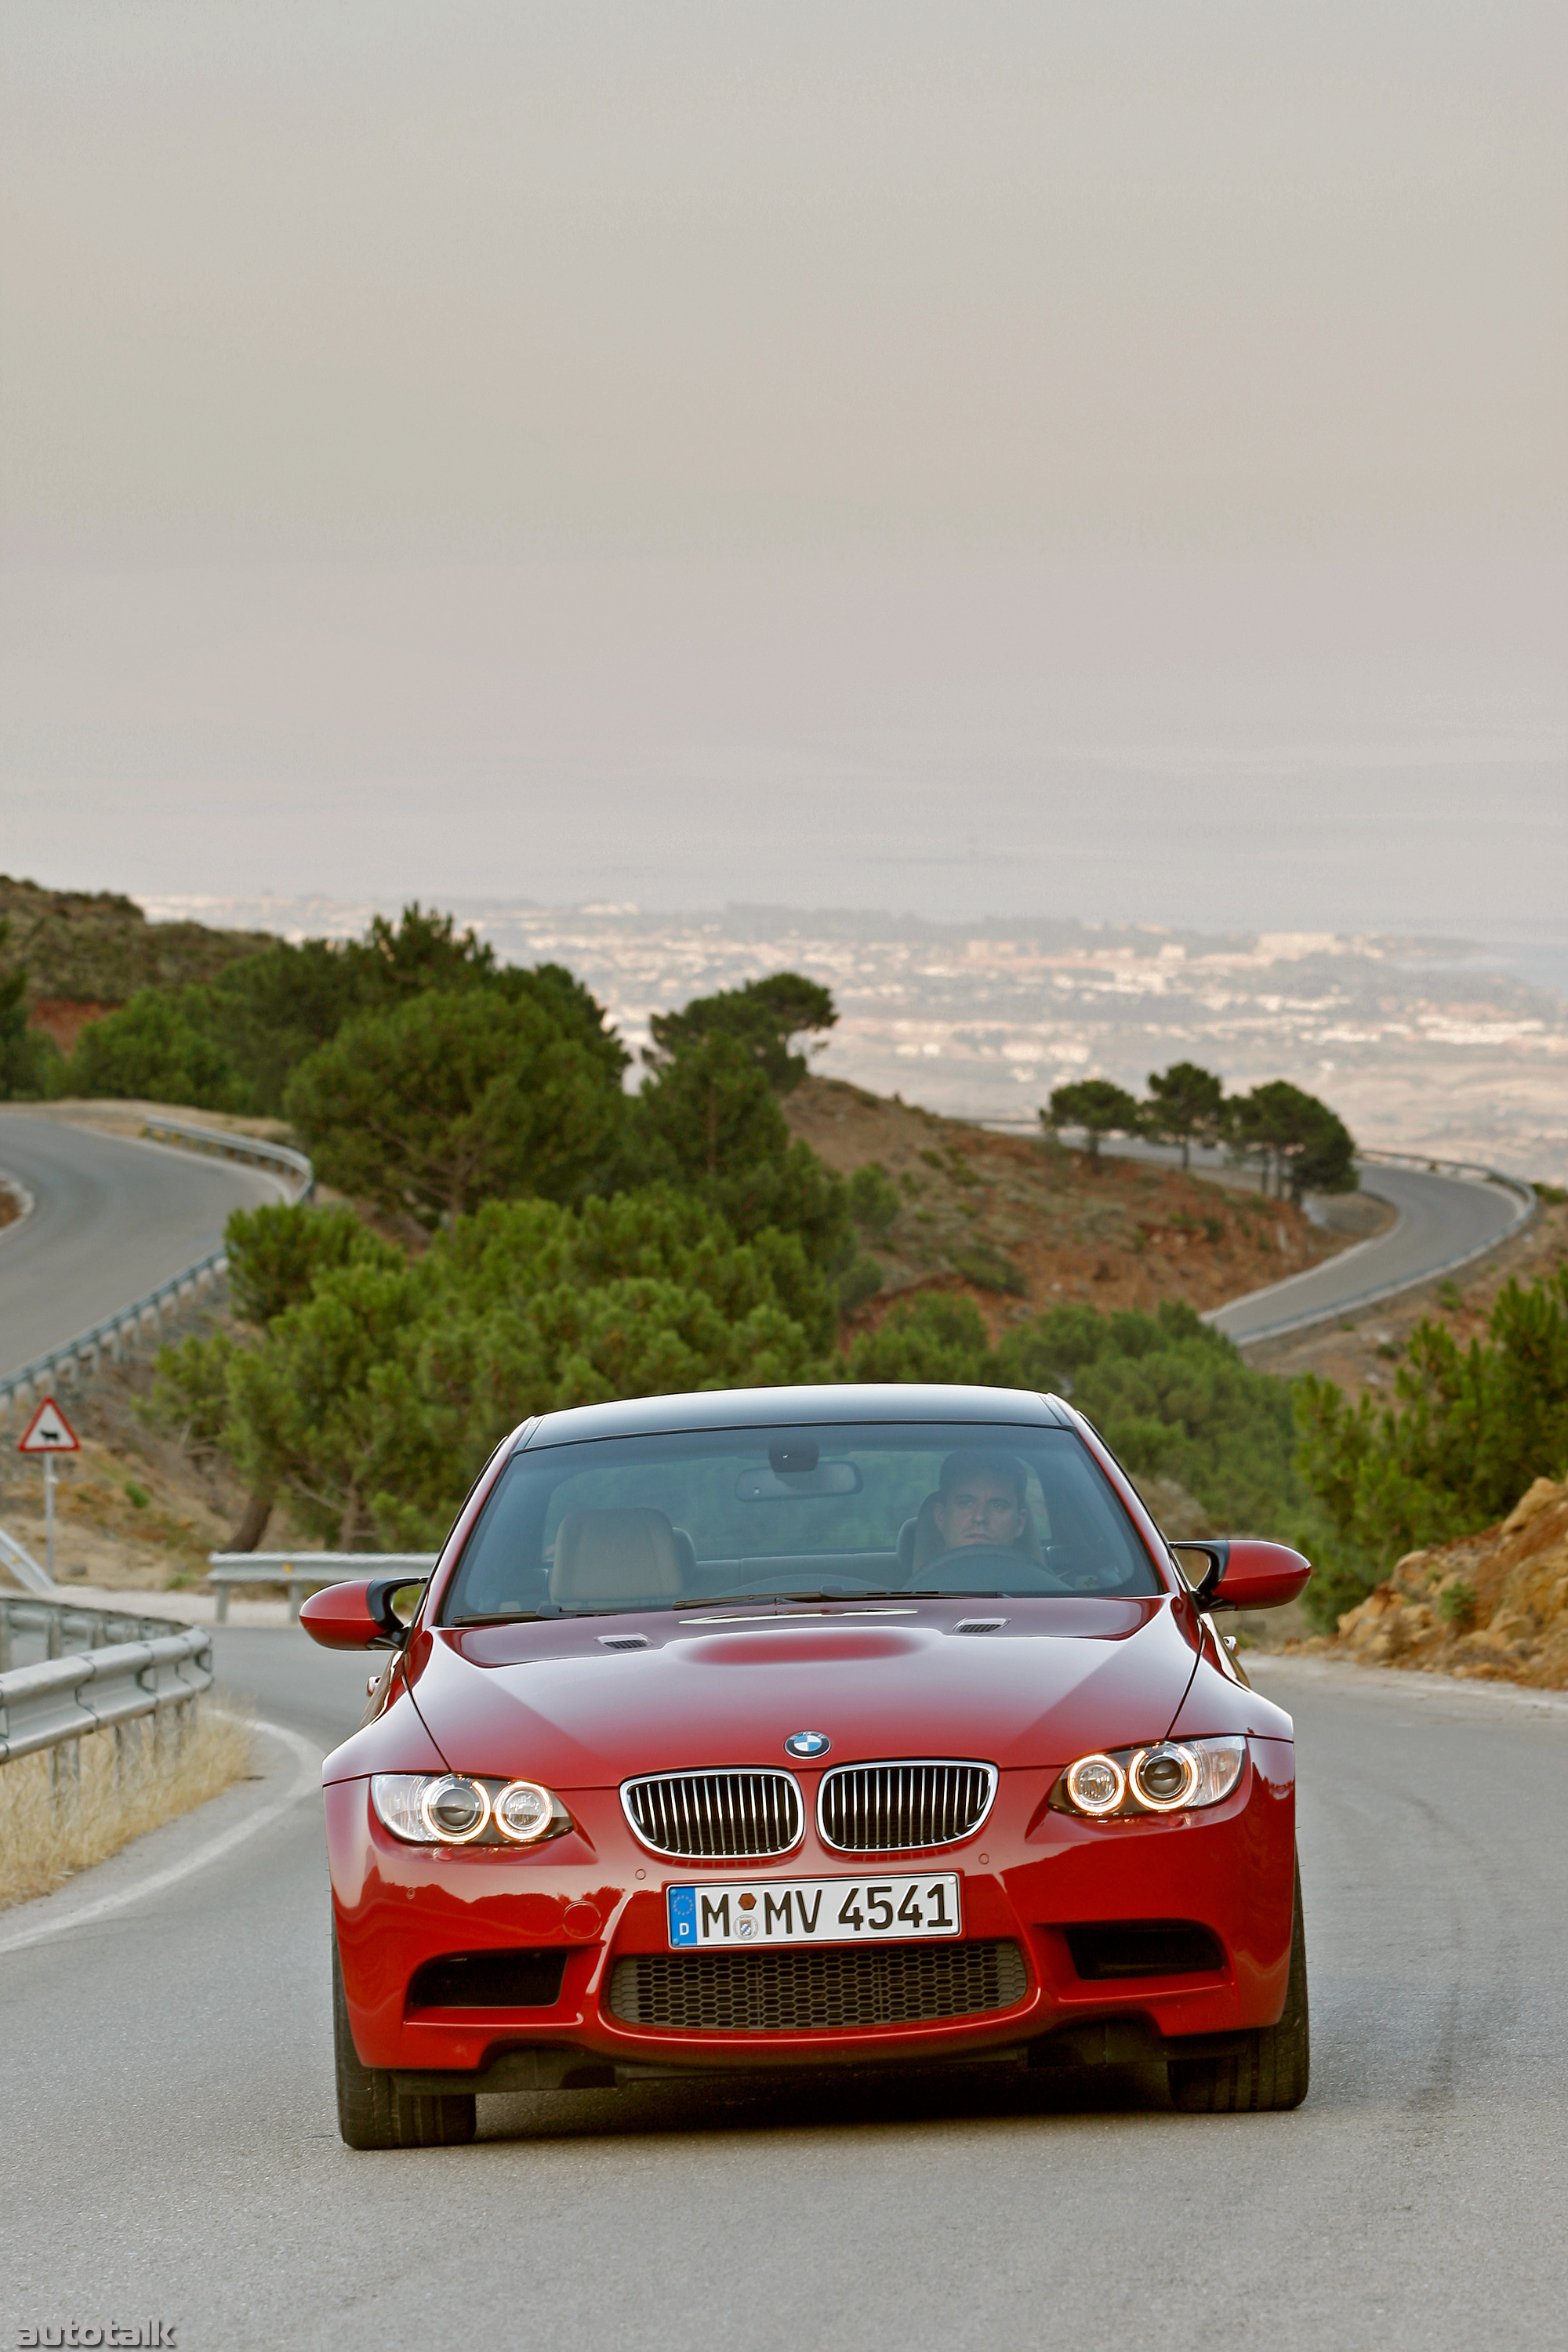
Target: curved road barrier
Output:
[(116, 1335), (25, 1568), (53, 1629), (98, 1204), (301, 1572), (1448, 1212), (61, 1698), (250, 1151)]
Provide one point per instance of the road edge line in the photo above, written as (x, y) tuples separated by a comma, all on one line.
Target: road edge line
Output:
[(307, 1780)]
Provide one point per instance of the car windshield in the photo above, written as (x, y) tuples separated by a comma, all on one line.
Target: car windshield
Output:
[(841, 1511)]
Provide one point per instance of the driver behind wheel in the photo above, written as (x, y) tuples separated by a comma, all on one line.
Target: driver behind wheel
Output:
[(979, 1502)]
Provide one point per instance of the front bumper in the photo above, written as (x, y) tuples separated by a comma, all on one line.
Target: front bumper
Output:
[(597, 1897)]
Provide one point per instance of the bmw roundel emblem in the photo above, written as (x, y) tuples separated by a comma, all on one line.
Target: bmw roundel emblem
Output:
[(807, 1744)]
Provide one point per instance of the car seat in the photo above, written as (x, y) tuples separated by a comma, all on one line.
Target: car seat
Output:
[(921, 1539), (607, 1556)]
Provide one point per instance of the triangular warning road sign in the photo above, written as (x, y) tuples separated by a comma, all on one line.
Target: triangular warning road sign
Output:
[(48, 1432)]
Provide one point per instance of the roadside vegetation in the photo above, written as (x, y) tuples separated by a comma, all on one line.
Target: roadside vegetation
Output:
[(51, 1829), (1468, 1431), (527, 1232), (1300, 1145)]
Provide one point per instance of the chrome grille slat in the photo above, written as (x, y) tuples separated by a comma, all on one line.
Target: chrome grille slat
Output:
[(904, 1806), (716, 1816)]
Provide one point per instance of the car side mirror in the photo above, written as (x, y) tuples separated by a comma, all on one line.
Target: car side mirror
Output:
[(1244, 1572), (362, 1614)]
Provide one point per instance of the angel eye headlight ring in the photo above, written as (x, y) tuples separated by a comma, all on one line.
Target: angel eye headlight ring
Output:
[(1097, 1785), (465, 1821), (1165, 1777), (524, 1811)]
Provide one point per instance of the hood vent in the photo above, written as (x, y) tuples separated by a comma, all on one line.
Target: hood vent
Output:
[(622, 1641), (980, 1624)]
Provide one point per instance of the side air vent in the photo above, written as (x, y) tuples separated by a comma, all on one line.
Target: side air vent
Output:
[(980, 1624), (1143, 1947), (716, 1816), (488, 1980), (622, 1641)]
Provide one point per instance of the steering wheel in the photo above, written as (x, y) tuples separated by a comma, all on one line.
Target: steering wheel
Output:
[(1015, 1564)]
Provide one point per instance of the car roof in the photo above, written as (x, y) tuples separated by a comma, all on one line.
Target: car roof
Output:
[(844, 1403)]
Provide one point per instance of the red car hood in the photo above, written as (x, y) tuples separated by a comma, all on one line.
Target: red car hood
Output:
[(553, 1702)]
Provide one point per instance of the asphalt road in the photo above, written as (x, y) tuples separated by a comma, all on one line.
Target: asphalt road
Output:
[(113, 1218), (1441, 1218), (169, 2148)]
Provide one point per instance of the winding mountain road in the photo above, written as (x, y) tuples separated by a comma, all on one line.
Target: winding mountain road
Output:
[(169, 2148), (113, 1216), (1442, 1219)]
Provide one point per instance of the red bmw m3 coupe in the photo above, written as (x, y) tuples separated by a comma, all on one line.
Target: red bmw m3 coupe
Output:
[(803, 1729)]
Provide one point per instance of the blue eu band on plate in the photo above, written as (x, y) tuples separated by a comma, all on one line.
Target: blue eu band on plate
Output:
[(814, 1911)]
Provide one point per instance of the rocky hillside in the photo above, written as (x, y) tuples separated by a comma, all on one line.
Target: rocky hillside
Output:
[(87, 951), (1492, 1606), (1023, 1224)]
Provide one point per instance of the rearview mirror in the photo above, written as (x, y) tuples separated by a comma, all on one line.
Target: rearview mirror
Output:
[(783, 1484), (362, 1614), (1244, 1572)]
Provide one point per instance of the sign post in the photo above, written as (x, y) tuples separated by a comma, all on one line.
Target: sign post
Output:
[(48, 1433)]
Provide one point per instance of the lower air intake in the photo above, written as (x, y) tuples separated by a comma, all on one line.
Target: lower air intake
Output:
[(489, 1981), (1143, 1947), (815, 1990)]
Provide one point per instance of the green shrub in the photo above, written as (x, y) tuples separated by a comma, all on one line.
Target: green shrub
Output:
[(860, 1280), (1457, 1605), (989, 1269), (1468, 1431), (453, 1098), (872, 1198), (157, 1048)]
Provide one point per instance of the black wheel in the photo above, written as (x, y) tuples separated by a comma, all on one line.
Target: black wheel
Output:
[(1275, 2071), (369, 2112)]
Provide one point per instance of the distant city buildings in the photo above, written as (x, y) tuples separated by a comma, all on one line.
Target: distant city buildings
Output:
[(1415, 1042)]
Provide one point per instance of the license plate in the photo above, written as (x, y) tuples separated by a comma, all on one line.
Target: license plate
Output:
[(814, 1911)]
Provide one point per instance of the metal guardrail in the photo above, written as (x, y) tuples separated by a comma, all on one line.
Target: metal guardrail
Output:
[(113, 1335), (1464, 1169), (1424, 1164), (299, 1573), (125, 1327), (24, 1566), (252, 1150), (56, 1628), (60, 1699)]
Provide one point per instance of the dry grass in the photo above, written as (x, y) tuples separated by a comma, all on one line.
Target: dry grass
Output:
[(49, 1831)]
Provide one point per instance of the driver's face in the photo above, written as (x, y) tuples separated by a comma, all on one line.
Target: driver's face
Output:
[(981, 1509)]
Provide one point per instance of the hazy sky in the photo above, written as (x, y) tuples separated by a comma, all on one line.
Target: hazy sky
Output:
[(1104, 459)]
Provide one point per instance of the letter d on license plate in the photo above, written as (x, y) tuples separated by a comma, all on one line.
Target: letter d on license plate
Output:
[(814, 1911)]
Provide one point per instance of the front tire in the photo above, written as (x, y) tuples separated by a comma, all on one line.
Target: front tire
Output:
[(1274, 2071), (371, 2112)]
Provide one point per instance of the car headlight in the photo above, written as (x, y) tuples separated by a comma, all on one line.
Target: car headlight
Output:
[(463, 1808), (1169, 1776)]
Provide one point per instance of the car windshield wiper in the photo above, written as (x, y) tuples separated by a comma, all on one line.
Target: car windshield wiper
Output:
[(500, 1617), (861, 1593)]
